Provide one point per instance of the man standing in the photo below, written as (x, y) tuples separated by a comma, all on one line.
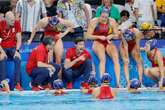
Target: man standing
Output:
[(144, 11), (42, 72), (30, 12), (10, 33), (78, 62)]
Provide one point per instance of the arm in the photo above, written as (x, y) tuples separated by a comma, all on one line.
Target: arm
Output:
[(41, 24), (86, 11), (1, 50), (41, 64), (115, 33), (2, 53), (136, 13), (19, 40), (18, 45), (69, 63), (138, 34), (114, 92), (69, 26), (0, 45), (159, 57)]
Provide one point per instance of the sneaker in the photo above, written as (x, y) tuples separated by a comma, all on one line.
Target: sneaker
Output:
[(18, 87), (35, 88), (48, 86), (69, 85)]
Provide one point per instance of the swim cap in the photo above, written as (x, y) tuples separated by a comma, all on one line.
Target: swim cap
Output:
[(92, 80), (129, 35), (146, 26), (106, 78), (135, 84), (53, 21)]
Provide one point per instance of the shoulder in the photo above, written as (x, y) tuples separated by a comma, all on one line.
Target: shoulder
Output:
[(85, 51), (70, 52), (94, 20), (43, 22), (112, 21), (40, 48), (114, 7)]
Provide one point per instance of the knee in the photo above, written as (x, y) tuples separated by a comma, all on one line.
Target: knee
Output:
[(116, 60), (125, 61), (139, 62), (67, 72), (88, 62), (46, 73), (56, 66)]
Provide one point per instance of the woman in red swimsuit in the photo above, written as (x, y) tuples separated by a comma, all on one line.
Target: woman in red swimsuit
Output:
[(102, 30), (130, 45), (157, 71), (52, 28)]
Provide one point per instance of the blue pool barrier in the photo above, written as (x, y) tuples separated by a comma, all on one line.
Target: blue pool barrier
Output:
[(25, 79)]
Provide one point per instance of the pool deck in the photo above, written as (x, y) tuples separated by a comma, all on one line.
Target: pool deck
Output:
[(75, 90)]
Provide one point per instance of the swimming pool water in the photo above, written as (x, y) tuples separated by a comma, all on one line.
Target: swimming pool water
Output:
[(78, 101)]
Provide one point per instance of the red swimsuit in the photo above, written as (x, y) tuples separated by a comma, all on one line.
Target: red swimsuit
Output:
[(103, 30), (152, 58), (51, 32), (131, 43), (105, 93)]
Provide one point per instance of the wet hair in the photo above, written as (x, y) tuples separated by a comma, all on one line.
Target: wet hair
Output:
[(106, 10), (124, 13), (47, 41), (79, 39)]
